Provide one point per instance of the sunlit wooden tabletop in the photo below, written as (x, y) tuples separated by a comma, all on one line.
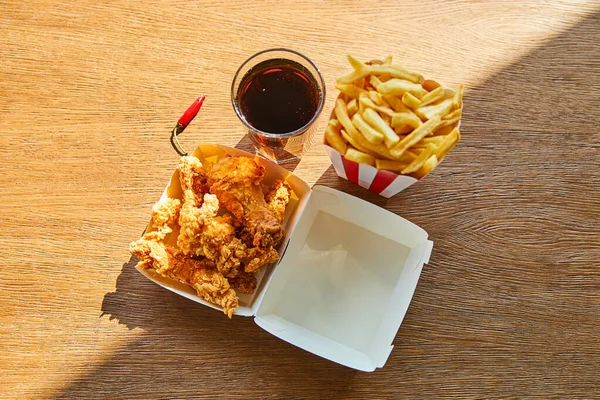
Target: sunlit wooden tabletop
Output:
[(509, 305)]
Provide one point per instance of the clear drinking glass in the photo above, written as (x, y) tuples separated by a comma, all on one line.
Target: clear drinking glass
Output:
[(278, 95)]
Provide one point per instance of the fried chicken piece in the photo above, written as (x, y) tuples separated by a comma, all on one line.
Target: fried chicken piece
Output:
[(201, 275), (165, 214), (258, 256), (203, 233), (237, 182), (192, 176), (277, 199), (244, 282)]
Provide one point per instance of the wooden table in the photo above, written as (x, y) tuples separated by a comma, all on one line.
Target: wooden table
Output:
[(509, 305)]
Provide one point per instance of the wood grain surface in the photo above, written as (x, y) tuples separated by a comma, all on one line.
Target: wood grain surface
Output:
[(509, 306)]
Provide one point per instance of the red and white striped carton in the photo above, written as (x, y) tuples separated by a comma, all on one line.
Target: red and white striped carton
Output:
[(384, 183)]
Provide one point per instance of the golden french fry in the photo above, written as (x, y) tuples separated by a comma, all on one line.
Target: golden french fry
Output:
[(380, 149), (454, 114), (442, 131), (435, 140), (411, 101), (457, 100), (419, 133), (403, 129), (335, 140), (356, 144), (420, 160), (360, 71), (430, 85), (335, 124), (359, 157), (405, 118), (396, 72), (391, 165), (448, 143), (352, 107), (439, 109), (426, 168), (397, 104), (367, 102), (432, 96), (341, 112), (349, 89), (373, 119), (399, 87), (375, 82), (369, 133), (387, 119), (375, 97)]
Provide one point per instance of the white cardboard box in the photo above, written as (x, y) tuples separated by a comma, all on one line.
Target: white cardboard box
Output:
[(346, 277)]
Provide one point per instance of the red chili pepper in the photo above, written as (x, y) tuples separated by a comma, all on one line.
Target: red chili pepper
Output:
[(183, 122), (191, 112)]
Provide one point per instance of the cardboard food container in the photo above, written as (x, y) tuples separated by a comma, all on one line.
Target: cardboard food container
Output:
[(384, 183), (347, 273)]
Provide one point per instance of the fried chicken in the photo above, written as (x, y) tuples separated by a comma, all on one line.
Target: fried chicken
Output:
[(237, 182), (201, 275), (192, 176), (165, 214), (244, 282), (203, 233), (278, 198)]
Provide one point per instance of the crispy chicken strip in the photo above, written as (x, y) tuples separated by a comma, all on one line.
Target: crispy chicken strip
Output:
[(165, 214), (237, 182), (203, 233), (278, 198), (192, 176), (201, 275), (244, 282)]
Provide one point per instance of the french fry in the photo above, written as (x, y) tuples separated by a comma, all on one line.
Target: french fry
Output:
[(454, 114), (335, 124), (426, 168), (419, 133), (399, 87), (389, 136), (391, 165), (357, 145), (420, 160), (341, 112), (360, 71), (349, 89), (430, 85), (375, 97), (335, 140), (397, 104), (439, 109), (442, 131), (369, 133), (448, 143), (367, 102), (359, 157), (403, 129), (352, 107), (457, 100), (411, 101), (435, 140), (432, 96), (406, 118), (396, 72), (375, 82)]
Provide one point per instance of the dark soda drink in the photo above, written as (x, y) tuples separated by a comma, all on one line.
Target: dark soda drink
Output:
[(278, 96)]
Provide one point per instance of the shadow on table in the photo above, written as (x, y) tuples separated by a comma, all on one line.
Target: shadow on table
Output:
[(190, 347)]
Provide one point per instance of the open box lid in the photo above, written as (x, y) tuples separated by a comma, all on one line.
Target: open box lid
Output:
[(346, 280)]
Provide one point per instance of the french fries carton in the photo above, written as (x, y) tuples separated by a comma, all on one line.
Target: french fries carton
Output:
[(386, 133), (347, 272)]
